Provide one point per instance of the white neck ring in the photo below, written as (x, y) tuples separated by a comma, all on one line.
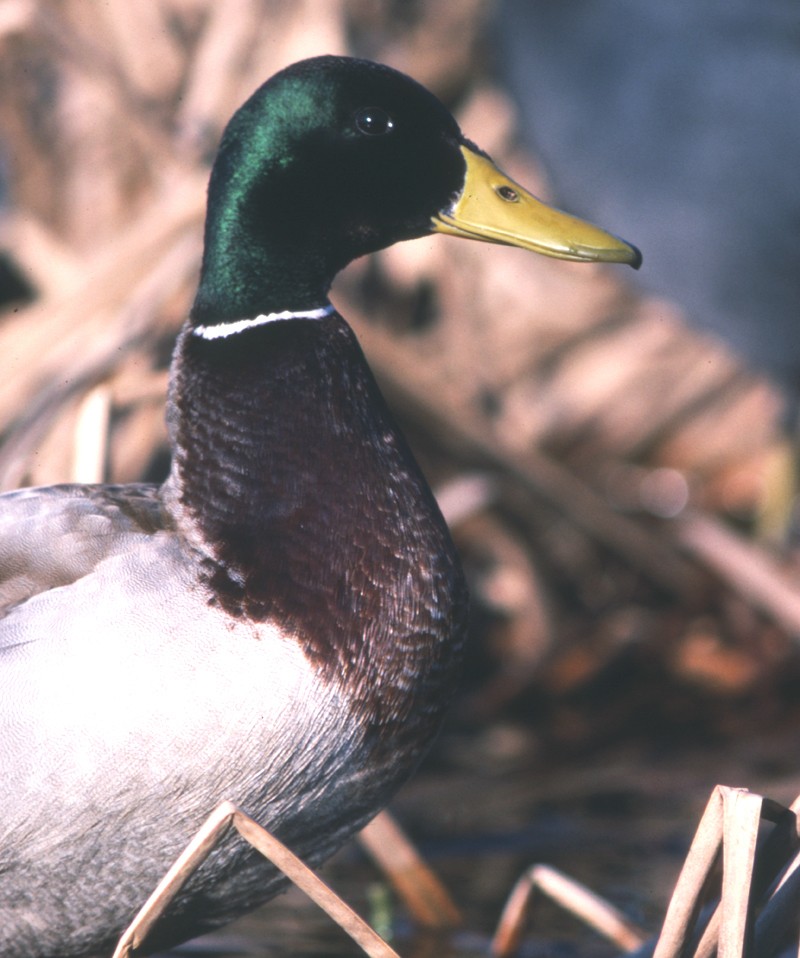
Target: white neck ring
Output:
[(222, 330)]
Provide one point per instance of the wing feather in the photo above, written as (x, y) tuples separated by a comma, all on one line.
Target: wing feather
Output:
[(53, 536)]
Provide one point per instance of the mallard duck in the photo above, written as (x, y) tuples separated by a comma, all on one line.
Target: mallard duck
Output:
[(280, 623)]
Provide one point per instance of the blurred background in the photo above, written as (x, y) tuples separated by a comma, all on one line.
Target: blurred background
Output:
[(603, 443)]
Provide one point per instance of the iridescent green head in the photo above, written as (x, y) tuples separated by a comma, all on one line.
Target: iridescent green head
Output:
[(333, 158)]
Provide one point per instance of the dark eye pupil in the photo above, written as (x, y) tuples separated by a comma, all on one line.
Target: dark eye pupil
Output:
[(373, 121)]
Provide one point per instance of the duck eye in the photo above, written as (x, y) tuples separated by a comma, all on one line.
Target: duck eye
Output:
[(373, 121)]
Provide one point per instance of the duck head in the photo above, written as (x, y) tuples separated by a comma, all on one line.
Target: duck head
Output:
[(333, 158)]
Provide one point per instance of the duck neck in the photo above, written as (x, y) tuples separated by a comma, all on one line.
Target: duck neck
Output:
[(261, 251), (240, 280), (251, 282)]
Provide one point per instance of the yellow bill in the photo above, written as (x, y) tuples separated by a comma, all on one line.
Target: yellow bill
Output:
[(495, 209)]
